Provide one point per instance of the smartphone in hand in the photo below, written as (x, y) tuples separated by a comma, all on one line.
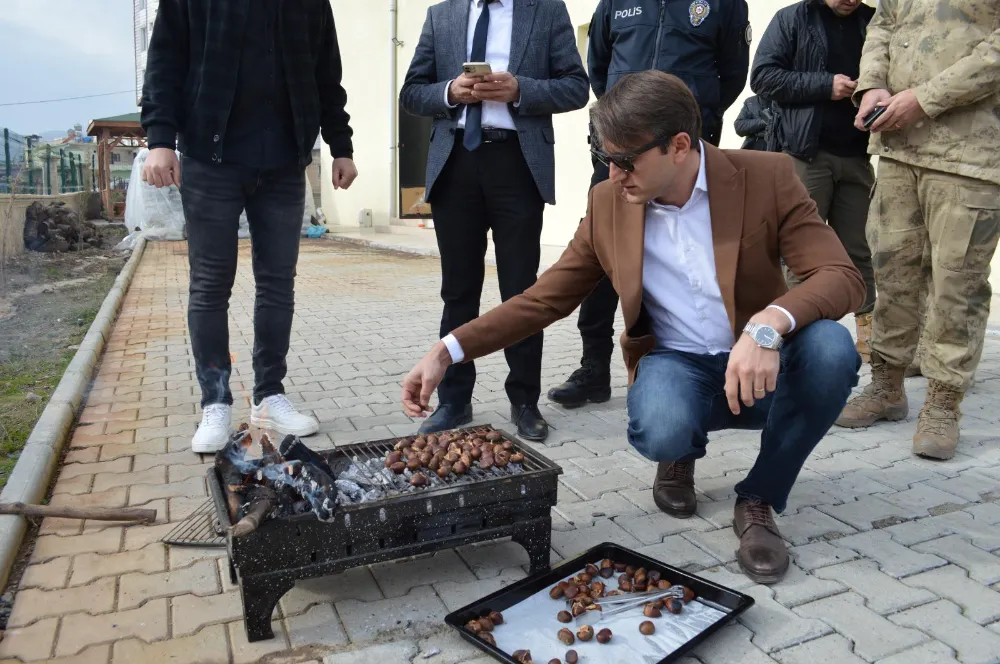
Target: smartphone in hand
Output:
[(873, 116), (477, 68)]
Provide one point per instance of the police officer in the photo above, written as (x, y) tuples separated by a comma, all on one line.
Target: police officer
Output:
[(705, 43), (934, 67)]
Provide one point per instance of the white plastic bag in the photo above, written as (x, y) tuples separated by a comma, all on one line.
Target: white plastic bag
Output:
[(155, 212)]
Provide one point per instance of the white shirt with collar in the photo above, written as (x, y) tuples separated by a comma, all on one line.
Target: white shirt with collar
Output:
[(680, 285), (498, 37)]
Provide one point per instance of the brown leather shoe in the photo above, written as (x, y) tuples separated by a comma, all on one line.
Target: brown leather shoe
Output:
[(673, 489), (762, 555)]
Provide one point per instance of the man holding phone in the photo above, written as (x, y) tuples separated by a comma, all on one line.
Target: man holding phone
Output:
[(929, 92), (491, 167)]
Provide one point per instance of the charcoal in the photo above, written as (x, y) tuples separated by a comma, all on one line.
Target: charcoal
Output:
[(261, 501), (293, 449)]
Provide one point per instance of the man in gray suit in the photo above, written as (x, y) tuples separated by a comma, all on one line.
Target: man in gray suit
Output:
[(491, 167)]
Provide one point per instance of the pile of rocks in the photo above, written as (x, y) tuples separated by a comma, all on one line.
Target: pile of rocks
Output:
[(55, 227)]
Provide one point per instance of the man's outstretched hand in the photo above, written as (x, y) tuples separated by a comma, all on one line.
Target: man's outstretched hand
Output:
[(423, 379)]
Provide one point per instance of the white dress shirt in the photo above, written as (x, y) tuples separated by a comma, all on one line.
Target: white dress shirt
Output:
[(680, 286), (495, 113)]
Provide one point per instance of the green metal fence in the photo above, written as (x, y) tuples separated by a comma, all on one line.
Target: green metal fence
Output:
[(30, 168)]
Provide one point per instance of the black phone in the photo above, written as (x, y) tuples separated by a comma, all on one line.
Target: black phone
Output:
[(874, 115)]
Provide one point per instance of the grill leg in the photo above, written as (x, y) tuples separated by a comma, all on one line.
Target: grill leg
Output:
[(260, 596), (536, 538)]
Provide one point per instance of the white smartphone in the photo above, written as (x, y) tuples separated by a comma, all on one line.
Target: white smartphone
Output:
[(477, 68)]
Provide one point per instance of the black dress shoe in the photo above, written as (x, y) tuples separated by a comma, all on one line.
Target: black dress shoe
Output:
[(530, 423), (591, 382), (673, 489), (447, 417)]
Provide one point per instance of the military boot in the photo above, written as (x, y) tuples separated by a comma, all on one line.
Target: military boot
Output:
[(937, 425), (591, 382), (863, 323), (883, 398)]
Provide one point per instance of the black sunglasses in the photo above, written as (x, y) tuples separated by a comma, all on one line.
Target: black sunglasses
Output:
[(624, 160)]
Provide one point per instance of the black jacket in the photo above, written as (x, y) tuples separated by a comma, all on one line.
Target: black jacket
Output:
[(789, 68), (754, 124), (705, 43), (192, 68)]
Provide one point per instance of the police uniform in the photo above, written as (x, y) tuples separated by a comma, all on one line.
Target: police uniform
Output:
[(705, 43), (938, 187)]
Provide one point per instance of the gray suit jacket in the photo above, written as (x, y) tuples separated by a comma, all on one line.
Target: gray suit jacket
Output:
[(543, 58)]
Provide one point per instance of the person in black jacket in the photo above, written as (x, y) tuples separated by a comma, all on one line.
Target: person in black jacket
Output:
[(705, 43), (243, 87), (754, 124), (808, 63)]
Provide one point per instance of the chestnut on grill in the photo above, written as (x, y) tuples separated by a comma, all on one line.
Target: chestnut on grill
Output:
[(413, 465), (444, 470), (466, 458), (425, 459), (501, 459), (398, 467), (475, 453), (564, 617), (419, 444), (571, 657), (486, 462), (434, 463), (566, 636), (452, 457), (460, 468), (432, 439), (604, 635), (650, 611), (391, 458), (585, 633), (488, 638), (517, 457), (647, 628), (494, 436), (419, 479)]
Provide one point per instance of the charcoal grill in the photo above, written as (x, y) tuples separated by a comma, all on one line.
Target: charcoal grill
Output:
[(266, 563)]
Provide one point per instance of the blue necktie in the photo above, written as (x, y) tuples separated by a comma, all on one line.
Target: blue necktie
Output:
[(474, 112)]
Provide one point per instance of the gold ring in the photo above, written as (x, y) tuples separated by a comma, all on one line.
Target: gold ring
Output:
[(760, 391)]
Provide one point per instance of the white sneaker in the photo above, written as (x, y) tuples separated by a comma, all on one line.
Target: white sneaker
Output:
[(213, 432), (276, 413)]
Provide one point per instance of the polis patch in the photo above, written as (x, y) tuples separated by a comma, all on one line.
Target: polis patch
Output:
[(698, 12), (748, 34)]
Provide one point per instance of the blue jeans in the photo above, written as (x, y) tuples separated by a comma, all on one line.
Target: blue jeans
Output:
[(213, 196), (678, 398)]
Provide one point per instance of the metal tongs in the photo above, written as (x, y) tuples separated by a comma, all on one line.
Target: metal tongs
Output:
[(625, 603)]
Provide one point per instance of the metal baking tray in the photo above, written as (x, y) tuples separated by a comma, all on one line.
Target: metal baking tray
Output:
[(719, 606)]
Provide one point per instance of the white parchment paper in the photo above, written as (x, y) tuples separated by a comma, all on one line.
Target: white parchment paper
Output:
[(532, 625)]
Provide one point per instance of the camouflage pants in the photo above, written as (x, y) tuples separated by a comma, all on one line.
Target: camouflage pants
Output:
[(932, 236)]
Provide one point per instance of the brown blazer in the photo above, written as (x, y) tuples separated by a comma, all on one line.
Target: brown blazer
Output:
[(761, 212)]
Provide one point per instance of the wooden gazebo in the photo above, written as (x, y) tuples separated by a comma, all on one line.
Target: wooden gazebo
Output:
[(119, 130)]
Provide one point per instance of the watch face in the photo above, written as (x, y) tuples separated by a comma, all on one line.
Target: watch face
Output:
[(766, 336)]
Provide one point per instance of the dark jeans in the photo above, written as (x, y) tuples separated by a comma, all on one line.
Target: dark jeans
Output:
[(678, 398), (213, 196), (841, 188), (489, 189)]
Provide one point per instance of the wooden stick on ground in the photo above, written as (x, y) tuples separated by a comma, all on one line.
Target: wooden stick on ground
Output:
[(93, 513)]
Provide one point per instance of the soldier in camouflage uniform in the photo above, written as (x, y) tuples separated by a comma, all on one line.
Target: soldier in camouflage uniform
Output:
[(935, 65)]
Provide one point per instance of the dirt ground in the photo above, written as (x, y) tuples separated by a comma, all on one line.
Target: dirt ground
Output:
[(47, 302)]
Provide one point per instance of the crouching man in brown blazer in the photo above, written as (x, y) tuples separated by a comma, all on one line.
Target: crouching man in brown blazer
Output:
[(691, 237)]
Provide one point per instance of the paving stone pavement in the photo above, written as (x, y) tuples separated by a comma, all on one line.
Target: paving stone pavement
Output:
[(895, 558)]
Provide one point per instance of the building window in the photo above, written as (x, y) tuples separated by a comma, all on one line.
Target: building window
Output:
[(116, 158), (143, 36)]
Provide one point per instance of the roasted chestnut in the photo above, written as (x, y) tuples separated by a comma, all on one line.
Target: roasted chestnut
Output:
[(401, 445), (662, 584), (579, 608), (597, 587), (640, 578), (571, 591), (466, 458), (604, 635), (556, 592), (647, 628), (452, 457), (566, 636), (444, 470), (475, 453), (585, 633), (433, 439), (564, 617), (425, 458), (496, 617), (517, 457), (494, 436), (586, 577), (614, 593), (607, 564), (391, 458), (659, 603), (555, 660), (655, 576), (419, 479), (522, 656), (419, 443), (398, 467), (607, 572), (488, 638), (639, 587), (501, 459), (619, 567), (460, 468), (674, 605), (650, 611), (485, 624), (592, 570), (688, 594), (473, 626), (624, 584), (507, 445), (434, 463), (630, 571), (486, 462), (413, 465), (571, 657)]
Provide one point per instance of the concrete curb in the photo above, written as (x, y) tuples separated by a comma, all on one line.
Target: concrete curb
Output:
[(29, 481), (405, 249)]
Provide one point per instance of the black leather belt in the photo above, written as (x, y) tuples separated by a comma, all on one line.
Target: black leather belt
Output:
[(491, 135)]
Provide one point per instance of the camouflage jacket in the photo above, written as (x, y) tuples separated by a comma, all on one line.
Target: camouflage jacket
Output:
[(948, 52)]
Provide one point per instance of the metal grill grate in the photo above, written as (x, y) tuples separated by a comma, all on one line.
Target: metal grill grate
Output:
[(201, 528)]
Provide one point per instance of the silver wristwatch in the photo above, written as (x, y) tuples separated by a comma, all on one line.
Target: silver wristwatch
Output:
[(765, 335)]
